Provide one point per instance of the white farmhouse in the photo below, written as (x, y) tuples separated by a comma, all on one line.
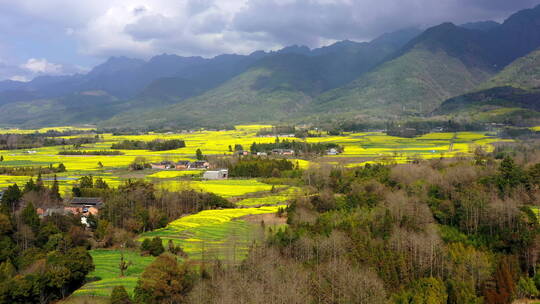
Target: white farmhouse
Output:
[(218, 174)]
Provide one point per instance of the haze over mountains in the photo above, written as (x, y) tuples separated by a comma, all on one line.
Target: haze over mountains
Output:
[(405, 74)]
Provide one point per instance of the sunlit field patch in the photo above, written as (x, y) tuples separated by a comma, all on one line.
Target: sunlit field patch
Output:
[(212, 232), (269, 200), (226, 188), (173, 174)]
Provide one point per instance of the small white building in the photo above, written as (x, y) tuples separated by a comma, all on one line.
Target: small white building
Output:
[(218, 174), (332, 152)]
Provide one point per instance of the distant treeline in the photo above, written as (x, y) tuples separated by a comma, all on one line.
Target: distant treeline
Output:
[(37, 140), (155, 145), (519, 133), (31, 171), (259, 167), (160, 129), (396, 128), (418, 128), (298, 147), (83, 152), (276, 130)]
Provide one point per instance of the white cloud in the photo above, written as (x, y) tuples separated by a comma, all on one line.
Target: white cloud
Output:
[(42, 66), (19, 78)]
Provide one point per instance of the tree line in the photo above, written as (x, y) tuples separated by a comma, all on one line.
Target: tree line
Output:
[(32, 171), (154, 145), (37, 140), (259, 167)]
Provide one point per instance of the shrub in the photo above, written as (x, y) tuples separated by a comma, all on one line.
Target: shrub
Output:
[(119, 295)]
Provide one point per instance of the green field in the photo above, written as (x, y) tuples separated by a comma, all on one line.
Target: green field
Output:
[(107, 273)]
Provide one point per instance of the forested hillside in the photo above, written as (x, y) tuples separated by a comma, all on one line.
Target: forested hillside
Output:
[(510, 96)]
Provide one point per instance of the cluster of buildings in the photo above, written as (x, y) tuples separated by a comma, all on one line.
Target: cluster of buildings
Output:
[(82, 206), (185, 165), (288, 152), (181, 165)]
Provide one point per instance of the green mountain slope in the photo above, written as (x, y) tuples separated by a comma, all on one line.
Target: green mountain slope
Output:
[(84, 107), (277, 87), (523, 73), (513, 95), (443, 62), (264, 93)]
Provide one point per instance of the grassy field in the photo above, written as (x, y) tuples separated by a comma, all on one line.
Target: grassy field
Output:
[(107, 273)]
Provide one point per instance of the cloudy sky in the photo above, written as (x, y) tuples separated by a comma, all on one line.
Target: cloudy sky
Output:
[(66, 36)]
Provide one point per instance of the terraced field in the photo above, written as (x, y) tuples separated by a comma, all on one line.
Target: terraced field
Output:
[(107, 273), (208, 235), (269, 200), (212, 233)]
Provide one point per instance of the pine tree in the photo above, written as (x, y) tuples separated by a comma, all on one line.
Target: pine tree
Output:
[(11, 198), (30, 217), (39, 182), (199, 154), (29, 186), (55, 190)]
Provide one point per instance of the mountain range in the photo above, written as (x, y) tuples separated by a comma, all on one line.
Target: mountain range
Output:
[(485, 71)]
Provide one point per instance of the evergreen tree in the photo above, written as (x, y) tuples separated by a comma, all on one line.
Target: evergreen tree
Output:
[(61, 168), (510, 175), (199, 154), (30, 217), (39, 182), (55, 190), (1, 158), (119, 295), (29, 186), (86, 182), (100, 184), (11, 198), (153, 246)]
